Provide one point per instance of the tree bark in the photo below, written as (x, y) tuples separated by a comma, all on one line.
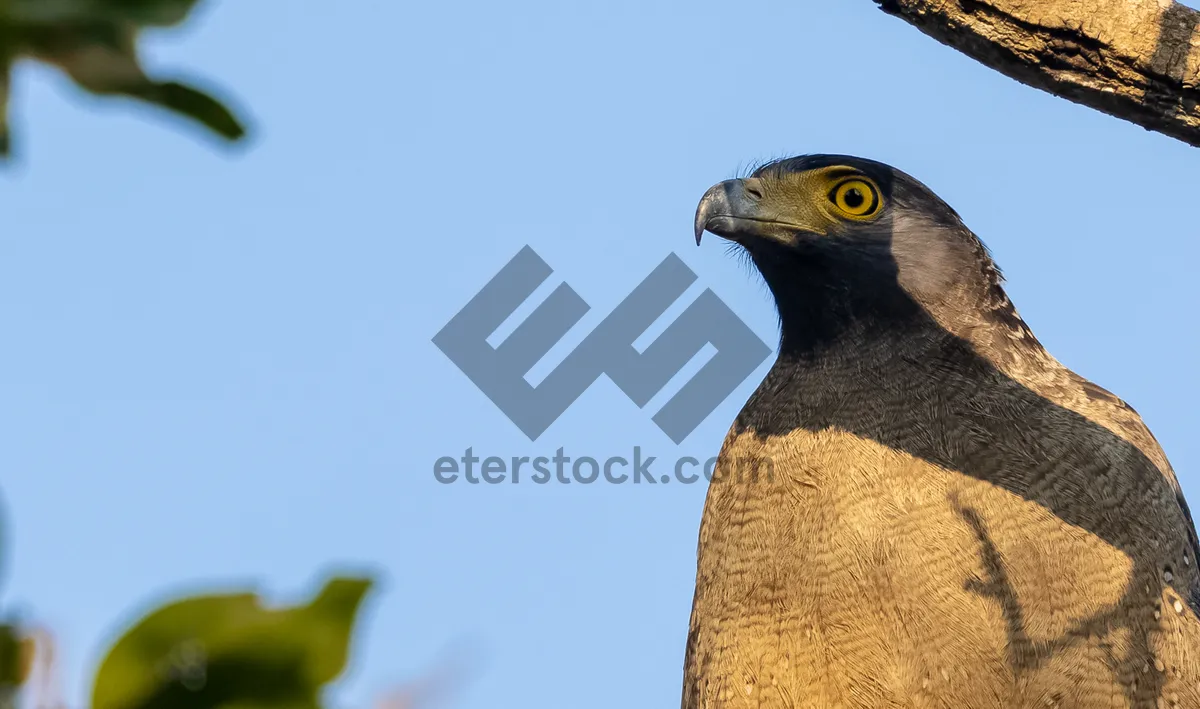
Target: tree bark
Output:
[(1138, 60)]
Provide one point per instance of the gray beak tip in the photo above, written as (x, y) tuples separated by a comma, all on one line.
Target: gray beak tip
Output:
[(713, 201)]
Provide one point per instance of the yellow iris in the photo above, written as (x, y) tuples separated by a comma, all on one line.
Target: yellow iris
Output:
[(856, 198)]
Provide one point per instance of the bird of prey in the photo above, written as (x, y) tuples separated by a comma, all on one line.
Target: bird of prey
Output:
[(919, 507)]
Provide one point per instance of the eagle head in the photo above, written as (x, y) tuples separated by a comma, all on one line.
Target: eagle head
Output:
[(846, 243)]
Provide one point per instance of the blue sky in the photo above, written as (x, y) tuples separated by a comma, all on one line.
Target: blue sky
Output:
[(218, 365)]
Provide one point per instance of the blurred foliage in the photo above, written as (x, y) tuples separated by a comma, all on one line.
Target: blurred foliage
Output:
[(203, 652), (218, 651), (16, 649), (95, 43), (16, 658), (229, 652), (225, 651)]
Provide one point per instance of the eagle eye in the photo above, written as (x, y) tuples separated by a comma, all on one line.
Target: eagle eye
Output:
[(856, 198)]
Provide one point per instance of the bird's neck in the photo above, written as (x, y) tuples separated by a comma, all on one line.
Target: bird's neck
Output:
[(843, 340), (868, 311)]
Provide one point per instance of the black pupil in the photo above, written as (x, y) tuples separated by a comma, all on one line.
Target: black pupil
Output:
[(854, 198)]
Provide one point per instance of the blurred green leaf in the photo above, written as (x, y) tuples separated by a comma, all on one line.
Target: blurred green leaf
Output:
[(229, 652), (95, 43), (148, 13), (16, 658)]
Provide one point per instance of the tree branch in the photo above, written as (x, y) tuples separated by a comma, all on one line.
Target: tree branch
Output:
[(1138, 60)]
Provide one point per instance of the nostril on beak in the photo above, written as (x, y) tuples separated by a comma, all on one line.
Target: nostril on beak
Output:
[(754, 192)]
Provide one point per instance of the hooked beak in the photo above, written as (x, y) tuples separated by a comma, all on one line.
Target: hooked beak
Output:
[(735, 210), (721, 208)]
